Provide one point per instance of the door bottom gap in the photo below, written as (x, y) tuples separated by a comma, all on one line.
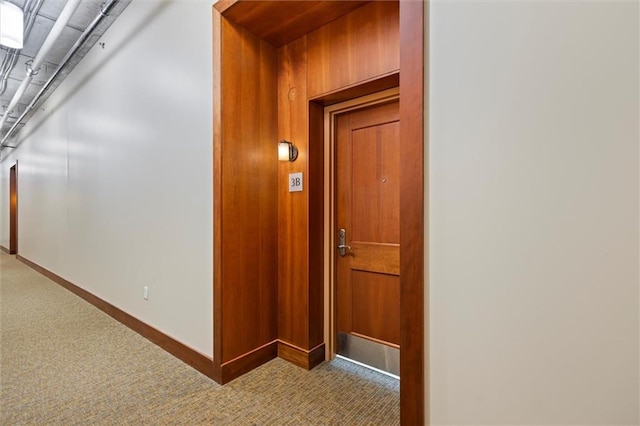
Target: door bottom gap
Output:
[(386, 373)]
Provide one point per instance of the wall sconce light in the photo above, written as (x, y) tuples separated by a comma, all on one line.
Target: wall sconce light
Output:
[(287, 151), (11, 25)]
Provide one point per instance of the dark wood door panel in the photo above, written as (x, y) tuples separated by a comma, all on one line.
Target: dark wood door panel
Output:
[(368, 210), (375, 306), (383, 258), (376, 185)]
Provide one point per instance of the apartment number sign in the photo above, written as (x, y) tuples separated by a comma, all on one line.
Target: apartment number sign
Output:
[(295, 182)]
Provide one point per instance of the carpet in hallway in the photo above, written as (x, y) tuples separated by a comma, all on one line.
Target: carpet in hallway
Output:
[(64, 362)]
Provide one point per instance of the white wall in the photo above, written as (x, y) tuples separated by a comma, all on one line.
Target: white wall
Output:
[(115, 174), (534, 197)]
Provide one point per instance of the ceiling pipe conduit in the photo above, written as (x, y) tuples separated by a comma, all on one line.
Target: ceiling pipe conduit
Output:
[(104, 12), (33, 69), (11, 58)]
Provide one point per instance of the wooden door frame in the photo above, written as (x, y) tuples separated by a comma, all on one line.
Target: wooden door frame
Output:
[(414, 282), (330, 114), (13, 209)]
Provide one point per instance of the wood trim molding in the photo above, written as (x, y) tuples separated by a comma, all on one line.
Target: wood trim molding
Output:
[(189, 356), (217, 196), (4, 249), (360, 89), (245, 363), (413, 285), (306, 359), (222, 5)]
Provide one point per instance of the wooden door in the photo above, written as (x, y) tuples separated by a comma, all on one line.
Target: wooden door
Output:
[(367, 209), (13, 209)]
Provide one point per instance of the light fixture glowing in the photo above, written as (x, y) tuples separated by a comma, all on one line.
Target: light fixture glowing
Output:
[(11, 25), (287, 151)]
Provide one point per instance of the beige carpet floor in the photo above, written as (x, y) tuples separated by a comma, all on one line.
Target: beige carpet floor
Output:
[(64, 362)]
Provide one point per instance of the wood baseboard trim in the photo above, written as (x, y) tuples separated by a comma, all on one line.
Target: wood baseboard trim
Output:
[(245, 363), (189, 356), (307, 359), (4, 249)]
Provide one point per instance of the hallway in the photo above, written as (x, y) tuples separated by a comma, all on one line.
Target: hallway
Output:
[(62, 361)]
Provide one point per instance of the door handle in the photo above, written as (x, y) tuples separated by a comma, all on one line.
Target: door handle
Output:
[(342, 247)]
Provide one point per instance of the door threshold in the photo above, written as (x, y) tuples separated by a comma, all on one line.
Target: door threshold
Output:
[(377, 370), (375, 356)]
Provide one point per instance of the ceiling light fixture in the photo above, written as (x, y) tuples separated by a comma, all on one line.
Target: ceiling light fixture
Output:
[(11, 25)]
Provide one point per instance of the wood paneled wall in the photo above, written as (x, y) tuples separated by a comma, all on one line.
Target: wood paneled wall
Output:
[(293, 210), (359, 47), (245, 200), (268, 243)]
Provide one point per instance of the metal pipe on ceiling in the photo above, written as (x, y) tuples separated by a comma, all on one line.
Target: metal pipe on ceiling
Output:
[(32, 7), (33, 69), (32, 13), (104, 11)]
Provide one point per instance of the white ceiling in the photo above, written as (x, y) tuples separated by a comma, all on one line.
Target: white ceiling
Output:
[(44, 21)]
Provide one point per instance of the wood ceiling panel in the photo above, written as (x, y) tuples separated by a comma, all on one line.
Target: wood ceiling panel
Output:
[(280, 22)]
